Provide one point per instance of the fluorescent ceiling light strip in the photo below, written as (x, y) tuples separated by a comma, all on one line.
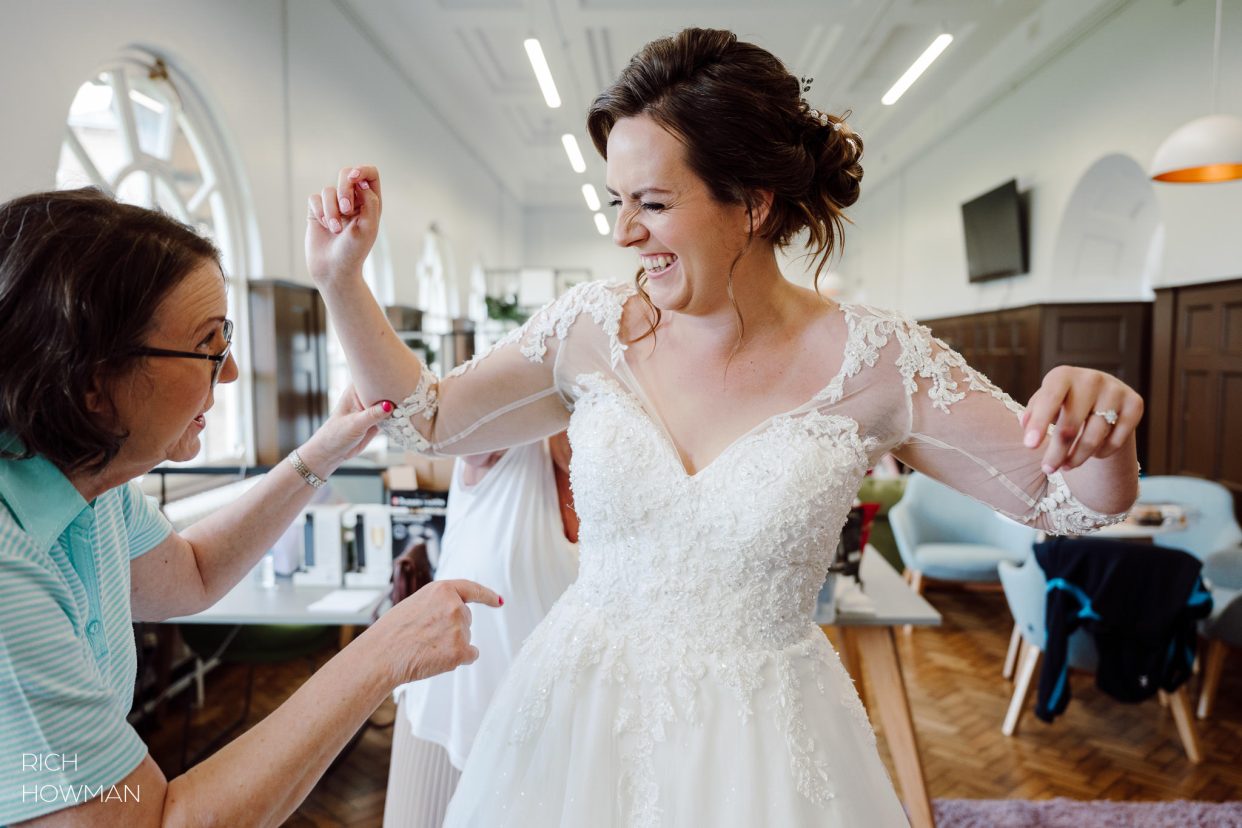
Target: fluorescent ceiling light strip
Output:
[(592, 197), (916, 69), (575, 155), (542, 73), (601, 224)]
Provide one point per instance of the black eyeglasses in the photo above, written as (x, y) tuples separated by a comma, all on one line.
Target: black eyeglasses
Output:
[(217, 360)]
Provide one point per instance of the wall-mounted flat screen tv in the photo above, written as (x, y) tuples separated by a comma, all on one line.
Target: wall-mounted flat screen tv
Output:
[(995, 225)]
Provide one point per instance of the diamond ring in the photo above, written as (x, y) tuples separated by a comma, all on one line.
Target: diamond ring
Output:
[(1109, 415)]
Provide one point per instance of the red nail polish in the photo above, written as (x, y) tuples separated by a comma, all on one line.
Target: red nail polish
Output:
[(500, 600), (387, 406)]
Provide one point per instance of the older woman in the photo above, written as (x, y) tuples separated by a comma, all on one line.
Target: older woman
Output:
[(113, 340)]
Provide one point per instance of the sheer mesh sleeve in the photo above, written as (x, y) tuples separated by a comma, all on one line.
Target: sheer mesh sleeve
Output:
[(965, 432), (511, 394)]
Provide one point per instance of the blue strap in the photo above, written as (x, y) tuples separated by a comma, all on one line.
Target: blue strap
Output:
[(1055, 698), (1083, 599), (1198, 595)]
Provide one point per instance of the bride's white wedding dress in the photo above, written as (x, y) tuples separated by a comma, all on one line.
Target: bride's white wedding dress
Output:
[(680, 680)]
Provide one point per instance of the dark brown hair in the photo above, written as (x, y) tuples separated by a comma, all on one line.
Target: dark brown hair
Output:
[(81, 276), (746, 129)]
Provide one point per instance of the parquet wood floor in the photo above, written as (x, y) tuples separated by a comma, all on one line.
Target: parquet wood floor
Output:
[(1100, 749)]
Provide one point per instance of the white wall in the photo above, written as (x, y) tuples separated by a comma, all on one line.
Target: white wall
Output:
[(344, 104), (567, 238), (1121, 89)]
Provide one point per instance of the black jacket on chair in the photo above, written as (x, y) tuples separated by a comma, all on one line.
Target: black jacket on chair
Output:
[(1139, 602)]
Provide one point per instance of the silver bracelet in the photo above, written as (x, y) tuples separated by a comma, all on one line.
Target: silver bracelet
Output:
[(309, 476)]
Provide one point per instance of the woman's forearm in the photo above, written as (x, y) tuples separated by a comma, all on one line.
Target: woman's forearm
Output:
[(261, 777), (228, 543), (381, 365)]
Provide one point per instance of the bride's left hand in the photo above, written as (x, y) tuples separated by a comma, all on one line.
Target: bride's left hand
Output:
[(1079, 401)]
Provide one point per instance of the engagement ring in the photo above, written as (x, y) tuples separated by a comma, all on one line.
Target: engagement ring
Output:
[(1109, 415)]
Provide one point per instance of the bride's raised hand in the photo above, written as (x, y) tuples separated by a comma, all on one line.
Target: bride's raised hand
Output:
[(342, 222)]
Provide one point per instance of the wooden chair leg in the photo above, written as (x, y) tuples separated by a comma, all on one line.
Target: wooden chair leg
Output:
[(1179, 703), (1028, 662), (914, 577), (1011, 657), (1213, 665)]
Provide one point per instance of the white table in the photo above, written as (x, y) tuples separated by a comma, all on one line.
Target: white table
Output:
[(868, 643), (1130, 529), (285, 603)]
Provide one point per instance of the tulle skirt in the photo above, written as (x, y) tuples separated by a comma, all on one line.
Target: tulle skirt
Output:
[(596, 745)]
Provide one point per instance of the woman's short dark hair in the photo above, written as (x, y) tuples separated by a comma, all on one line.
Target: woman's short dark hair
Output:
[(746, 129), (81, 276)]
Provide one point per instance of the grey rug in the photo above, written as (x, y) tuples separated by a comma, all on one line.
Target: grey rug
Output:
[(1069, 813)]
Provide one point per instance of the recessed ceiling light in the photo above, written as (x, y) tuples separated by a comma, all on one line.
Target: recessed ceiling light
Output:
[(542, 73), (575, 155), (917, 68), (592, 197), (601, 224)]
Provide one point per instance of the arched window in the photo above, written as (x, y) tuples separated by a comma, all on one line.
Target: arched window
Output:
[(139, 130), (434, 277)]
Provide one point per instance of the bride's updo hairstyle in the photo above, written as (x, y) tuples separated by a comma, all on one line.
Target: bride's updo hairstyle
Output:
[(746, 128)]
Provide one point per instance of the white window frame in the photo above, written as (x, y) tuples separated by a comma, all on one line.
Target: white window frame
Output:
[(234, 228)]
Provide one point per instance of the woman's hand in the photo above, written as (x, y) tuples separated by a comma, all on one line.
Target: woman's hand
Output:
[(429, 632), (1095, 415), (345, 434), (341, 225)]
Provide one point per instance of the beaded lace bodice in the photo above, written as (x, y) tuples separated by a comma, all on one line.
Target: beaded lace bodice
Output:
[(713, 576)]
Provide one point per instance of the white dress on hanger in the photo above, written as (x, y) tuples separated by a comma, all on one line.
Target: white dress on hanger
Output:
[(680, 680), (506, 532)]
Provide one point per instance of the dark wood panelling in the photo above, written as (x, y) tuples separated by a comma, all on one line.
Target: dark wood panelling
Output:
[(1001, 345), (1229, 427), (1195, 427), (288, 324), (1162, 328), (1015, 348)]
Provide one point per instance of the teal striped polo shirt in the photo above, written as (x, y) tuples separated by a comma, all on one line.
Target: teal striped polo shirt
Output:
[(67, 660)]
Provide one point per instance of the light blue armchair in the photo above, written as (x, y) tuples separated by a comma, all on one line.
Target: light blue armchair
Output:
[(1215, 538), (943, 534), (1223, 630), (1026, 592)]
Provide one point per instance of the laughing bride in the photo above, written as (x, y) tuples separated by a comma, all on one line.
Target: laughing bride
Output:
[(721, 419)]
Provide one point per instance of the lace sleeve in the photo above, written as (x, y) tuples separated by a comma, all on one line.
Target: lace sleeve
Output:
[(965, 432), (509, 395)]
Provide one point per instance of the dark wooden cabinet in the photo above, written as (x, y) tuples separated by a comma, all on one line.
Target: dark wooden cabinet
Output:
[(288, 325), (1004, 345), (1196, 381), (1016, 347)]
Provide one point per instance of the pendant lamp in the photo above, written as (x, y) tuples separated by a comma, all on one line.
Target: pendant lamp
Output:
[(1207, 149)]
